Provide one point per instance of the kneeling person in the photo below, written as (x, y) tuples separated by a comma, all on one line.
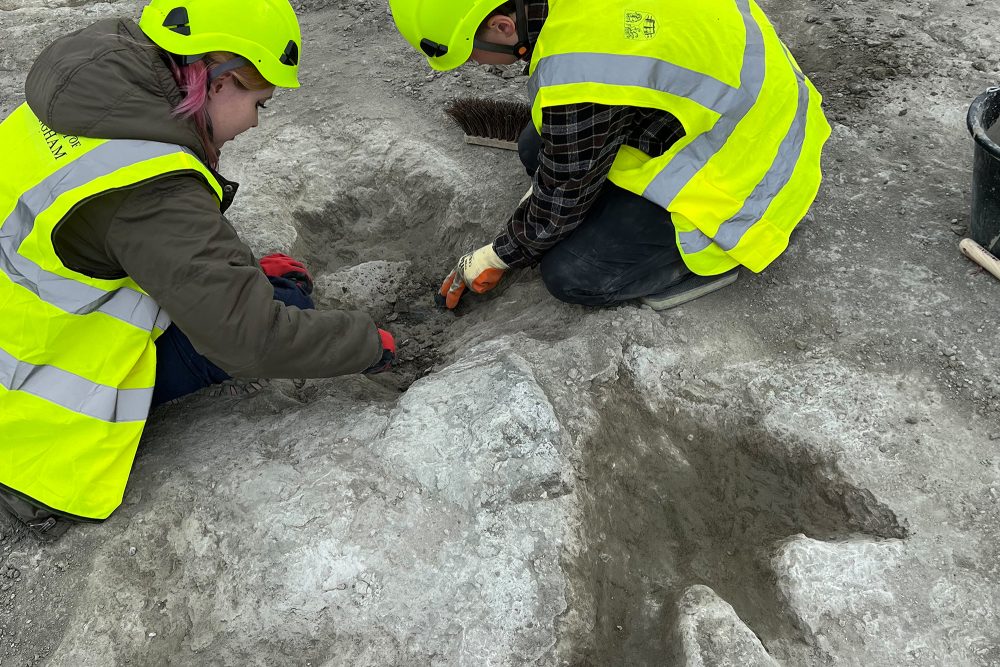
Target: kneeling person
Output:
[(668, 146)]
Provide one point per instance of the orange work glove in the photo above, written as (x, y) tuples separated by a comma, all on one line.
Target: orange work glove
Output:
[(480, 271)]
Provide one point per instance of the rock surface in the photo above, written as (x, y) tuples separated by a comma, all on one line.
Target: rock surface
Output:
[(801, 469), (710, 634)]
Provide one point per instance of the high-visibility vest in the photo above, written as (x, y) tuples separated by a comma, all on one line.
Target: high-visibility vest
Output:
[(748, 167), (77, 354)]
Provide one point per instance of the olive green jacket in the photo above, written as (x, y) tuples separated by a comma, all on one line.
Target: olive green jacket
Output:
[(110, 81)]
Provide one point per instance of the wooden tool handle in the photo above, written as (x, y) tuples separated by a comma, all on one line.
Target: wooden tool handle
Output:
[(490, 142), (980, 256)]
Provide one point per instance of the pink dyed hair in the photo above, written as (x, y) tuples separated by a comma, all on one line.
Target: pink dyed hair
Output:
[(193, 81)]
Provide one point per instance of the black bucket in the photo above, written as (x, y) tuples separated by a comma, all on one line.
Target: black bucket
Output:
[(985, 225)]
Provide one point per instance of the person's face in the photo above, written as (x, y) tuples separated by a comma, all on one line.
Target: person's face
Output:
[(232, 108), (500, 29)]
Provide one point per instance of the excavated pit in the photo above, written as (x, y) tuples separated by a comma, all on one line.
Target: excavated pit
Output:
[(669, 503), (385, 259)]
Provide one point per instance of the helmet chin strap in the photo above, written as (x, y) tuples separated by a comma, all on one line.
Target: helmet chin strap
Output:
[(218, 70), (519, 50), (228, 66)]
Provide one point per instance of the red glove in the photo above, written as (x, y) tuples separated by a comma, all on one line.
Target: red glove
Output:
[(388, 354), (279, 265)]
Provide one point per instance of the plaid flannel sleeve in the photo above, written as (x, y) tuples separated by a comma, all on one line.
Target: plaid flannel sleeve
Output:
[(579, 147)]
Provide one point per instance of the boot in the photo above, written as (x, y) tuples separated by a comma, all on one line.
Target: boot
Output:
[(692, 287)]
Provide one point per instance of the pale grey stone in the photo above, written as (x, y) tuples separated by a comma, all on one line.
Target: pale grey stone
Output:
[(710, 634)]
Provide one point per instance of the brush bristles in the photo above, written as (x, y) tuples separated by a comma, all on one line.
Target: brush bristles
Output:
[(495, 119)]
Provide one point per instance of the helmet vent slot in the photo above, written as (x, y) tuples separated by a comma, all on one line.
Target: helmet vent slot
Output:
[(177, 20), (433, 49), (291, 54)]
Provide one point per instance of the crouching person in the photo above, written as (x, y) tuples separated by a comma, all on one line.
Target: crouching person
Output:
[(122, 284)]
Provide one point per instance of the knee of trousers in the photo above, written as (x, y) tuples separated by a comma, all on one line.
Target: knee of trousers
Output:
[(573, 282)]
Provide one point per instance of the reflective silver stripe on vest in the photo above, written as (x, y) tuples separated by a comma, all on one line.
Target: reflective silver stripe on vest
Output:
[(731, 231), (639, 71), (665, 187), (74, 392), (162, 321), (732, 104), (66, 294)]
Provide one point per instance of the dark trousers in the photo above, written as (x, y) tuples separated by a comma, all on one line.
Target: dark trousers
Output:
[(624, 249), (180, 370)]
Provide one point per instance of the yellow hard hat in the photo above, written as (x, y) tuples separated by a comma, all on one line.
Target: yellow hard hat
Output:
[(445, 30), (265, 32)]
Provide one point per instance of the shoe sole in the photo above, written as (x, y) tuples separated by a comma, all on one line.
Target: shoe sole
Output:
[(679, 299)]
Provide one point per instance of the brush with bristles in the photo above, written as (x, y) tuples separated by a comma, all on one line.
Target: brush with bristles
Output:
[(493, 123)]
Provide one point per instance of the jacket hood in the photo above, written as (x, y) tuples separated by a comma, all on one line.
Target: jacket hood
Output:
[(109, 81)]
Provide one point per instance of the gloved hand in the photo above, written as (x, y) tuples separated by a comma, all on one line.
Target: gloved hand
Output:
[(480, 271), (388, 357), (279, 265)]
